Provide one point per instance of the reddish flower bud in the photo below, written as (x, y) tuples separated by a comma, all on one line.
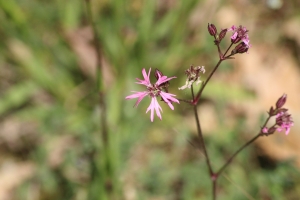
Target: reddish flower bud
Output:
[(212, 29), (271, 130), (272, 112), (281, 101), (267, 131), (222, 34), (240, 48)]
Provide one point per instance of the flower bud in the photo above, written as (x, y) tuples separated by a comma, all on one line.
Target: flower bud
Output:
[(272, 112), (267, 131), (281, 101), (240, 48), (271, 130), (222, 34), (212, 29)]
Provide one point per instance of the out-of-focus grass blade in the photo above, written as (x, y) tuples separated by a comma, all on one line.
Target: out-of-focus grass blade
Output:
[(17, 95), (14, 11), (35, 67)]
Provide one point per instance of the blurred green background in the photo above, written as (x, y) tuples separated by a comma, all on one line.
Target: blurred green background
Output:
[(51, 145)]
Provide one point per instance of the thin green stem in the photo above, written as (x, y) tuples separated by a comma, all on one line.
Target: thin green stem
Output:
[(214, 189), (222, 58), (185, 101), (237, 152), (200, 135), (227, 49), (192, 91), (207, 80)]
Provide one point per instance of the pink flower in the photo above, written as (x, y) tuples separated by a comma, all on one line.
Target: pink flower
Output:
[(154, 90), (284, 121), (240, 34)]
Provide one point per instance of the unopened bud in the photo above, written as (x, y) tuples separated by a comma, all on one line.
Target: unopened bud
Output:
[(281, 101), (240, 48), (212, 29), (222, 34), (272, 112), (271, 130), (267, 131)]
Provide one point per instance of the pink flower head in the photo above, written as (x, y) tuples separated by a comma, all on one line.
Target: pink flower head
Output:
[(240, 34), (284, 121), (154, 90)]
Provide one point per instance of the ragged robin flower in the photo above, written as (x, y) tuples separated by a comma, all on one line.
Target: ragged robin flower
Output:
[(153, 91)]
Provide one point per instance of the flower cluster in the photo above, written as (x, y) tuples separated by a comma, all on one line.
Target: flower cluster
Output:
[(214, 32), (153, 91), (240, 34), (192, 76), (284, 120)]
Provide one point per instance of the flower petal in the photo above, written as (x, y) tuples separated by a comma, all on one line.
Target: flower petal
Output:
[(139, 95), (163, 79), (154, 106), (157, 108), (146, 80), (167, 97)]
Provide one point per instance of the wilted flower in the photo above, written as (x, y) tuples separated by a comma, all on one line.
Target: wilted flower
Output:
[(154, 90), (193, 75)]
